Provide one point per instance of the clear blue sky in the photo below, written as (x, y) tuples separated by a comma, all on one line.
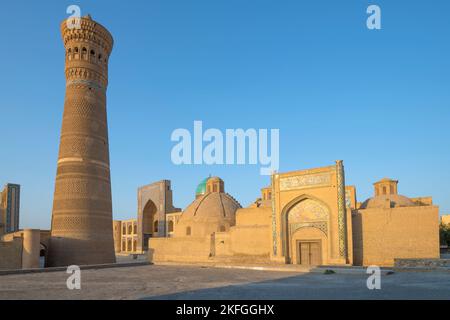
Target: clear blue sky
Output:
[(379, 100)]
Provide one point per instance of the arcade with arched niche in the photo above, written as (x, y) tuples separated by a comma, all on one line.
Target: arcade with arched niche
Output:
[(306, 217), (154, 203), (149, 221)]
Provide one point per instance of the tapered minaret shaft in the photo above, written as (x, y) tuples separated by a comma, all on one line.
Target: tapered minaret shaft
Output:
[(82, 212)]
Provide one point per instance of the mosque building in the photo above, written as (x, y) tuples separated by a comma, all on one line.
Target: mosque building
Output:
[(307, 217)]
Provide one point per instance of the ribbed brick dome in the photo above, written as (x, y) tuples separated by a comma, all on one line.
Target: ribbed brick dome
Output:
[(212, 212)]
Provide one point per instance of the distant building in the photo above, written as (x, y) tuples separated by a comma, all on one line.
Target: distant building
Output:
[(9, 208), (445, 219), (156, 218)]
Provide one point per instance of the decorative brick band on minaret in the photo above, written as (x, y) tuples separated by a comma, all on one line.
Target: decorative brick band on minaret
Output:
[(82, 211)]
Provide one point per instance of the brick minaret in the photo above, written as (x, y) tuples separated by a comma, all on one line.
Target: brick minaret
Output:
[(82, 212)]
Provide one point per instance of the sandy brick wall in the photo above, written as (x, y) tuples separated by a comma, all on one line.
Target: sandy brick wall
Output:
[(11, 254), (182, 249), (250, 240), (382, 235)]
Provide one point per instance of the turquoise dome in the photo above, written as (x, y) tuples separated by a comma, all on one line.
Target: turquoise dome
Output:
[(201, 188)]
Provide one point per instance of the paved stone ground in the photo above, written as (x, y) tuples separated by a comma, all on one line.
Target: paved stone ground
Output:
[(192, 282)]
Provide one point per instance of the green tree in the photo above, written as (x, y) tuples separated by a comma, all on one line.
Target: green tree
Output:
[(444, 234)]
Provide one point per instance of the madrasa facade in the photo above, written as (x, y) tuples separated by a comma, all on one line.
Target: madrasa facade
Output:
[(307, 217)]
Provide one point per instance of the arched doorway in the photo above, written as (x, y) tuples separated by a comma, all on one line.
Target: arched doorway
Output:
[(42, 255), (148, 222), (305, 224)]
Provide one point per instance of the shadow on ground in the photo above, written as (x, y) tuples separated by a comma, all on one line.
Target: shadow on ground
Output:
[(327, 286)]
